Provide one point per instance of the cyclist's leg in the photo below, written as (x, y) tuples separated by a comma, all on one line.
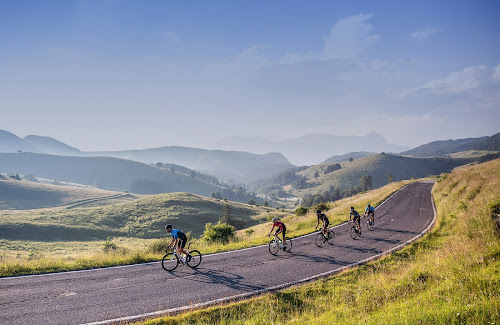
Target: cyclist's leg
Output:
[(284, 232)]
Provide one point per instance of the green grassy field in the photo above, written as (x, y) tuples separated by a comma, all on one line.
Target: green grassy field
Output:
[(451, 276)]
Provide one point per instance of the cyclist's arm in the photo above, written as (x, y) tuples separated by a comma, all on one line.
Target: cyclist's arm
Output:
[(271, 230), (169, 245)]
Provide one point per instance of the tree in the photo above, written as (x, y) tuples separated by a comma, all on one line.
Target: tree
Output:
[(97, 184), (172, 170), (266, 204), (365, 183), (216, 195), (390, 178), (350, 159), (159, 164), (228, 218), (332, 168), (251, 202), (193, 174), (316, 174)]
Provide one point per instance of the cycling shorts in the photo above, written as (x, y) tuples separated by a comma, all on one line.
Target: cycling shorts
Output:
[(279, 230), (181, 242)]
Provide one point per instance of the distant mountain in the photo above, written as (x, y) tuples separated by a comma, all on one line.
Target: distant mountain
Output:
[(311, 149), (347, 156), (50, 145), (491, 144), (34, 143), (227, 165), (105, 172), (443, 147)]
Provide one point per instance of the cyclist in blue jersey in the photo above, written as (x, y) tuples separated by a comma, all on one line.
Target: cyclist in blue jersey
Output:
[(370, 210), (179, 239)]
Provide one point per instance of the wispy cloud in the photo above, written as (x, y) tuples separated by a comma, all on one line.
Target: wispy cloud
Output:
[(496, 72), (171, 36), (349, 37), (423, 33), (454, 83)]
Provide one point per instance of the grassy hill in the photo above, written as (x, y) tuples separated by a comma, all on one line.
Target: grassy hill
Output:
[(347, 156), (141, 218), (110, 173), (22, 195), (378, 167), (444, 147)]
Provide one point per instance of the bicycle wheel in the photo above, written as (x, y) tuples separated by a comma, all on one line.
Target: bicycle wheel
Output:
[(331, 237), (195, 259), (369, 224), (273, 247), (288, 244), (319, 239), (169, 262), (353, 232)]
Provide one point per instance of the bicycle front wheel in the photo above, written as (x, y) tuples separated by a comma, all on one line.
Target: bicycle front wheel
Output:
[(195, 259), (331, 237), (273, 247), (353, 232), (169, 262), (319, 239), (288, 244)]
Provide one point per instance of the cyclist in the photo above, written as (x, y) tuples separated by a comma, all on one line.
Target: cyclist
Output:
[(370, 210), (324, 219), (355, 217), (281, 228), (179, 239)]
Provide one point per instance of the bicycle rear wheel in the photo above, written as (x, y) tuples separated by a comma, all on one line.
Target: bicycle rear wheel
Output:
[(369, 224), (319, 239), (195, 259), (273, 247), (353, 232), (331, 237), (169, 262), (288, 244)]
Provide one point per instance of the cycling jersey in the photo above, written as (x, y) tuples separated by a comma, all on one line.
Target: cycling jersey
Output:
[(324, 218), (369, 209), (279, 224), (355, 215), (177, 234)]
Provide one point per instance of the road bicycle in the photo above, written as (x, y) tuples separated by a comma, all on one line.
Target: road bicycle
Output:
[(369, 221), (172, 259), (355, 230), (322, 238), (276, 244)]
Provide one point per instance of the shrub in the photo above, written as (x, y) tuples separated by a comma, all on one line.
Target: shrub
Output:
[(301, 211), (159, 245), (320, 206), (249, 231), (220, 232), (108, 245)]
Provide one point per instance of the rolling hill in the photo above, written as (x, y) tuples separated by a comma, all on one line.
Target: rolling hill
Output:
[(141, 218), (347, 156), (23, 195), (108, 173), (378, 167)]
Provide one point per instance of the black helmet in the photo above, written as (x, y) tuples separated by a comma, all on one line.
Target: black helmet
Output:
[(368, 204), (169, 226), (352, 208), (319, 211)]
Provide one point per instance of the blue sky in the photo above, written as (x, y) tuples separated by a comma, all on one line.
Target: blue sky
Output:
[(108, 75)]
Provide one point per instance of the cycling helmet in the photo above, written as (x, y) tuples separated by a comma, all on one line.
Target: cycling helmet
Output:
[(169, 226), (275, 219), (352, 208), (319, 211), (368, 205)]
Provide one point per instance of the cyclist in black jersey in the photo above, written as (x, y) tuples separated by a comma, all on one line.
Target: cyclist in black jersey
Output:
[(324, 219), (355, 217)]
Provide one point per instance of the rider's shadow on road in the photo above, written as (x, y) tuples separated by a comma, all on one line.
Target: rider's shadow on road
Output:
[(211, 276)]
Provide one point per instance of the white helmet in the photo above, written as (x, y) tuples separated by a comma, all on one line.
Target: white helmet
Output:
[(275, 219)]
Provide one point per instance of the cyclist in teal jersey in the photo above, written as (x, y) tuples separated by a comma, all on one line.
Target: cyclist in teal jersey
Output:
[(370, 210)]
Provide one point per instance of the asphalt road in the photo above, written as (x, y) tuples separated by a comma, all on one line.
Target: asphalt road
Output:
[(111, 293)]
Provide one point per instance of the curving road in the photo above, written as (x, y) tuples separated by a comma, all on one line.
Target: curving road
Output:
[(97, 296)]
